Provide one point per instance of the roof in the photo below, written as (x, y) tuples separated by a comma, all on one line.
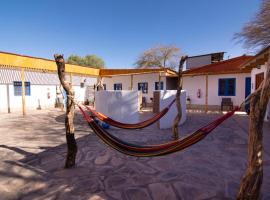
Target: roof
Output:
[(259, 59), (11, 60), (117, 72), (223, 67), (222, 52)]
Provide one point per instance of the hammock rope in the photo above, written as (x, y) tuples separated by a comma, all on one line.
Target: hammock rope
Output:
[(153, 150), (138, 125)]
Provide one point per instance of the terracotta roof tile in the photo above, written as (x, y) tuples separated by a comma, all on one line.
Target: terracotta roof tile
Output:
[(223, 67)]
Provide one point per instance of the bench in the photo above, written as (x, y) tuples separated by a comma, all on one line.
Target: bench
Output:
[(226, 102)]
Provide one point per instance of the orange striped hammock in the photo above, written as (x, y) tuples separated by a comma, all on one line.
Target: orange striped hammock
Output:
[(153, 150), (138, 125)]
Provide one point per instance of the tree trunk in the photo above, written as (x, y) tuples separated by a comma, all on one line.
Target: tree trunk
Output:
[(178, 98), (70, 106), (252, 180)]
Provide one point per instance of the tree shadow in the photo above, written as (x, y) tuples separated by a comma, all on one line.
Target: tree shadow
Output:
[(215, 166)]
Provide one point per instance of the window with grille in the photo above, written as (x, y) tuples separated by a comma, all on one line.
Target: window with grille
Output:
[(226, 87), (143, 87), (157, 85), (117, 86), (18, 88)]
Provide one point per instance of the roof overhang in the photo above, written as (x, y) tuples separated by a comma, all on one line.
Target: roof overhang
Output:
[(259, 59), (125, 72), (9, 60), (211, 73)]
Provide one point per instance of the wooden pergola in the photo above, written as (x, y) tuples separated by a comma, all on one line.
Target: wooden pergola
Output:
[(23, 63)]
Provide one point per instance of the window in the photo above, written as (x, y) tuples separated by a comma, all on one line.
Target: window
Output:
[(143, 87), (117, 86), (82, 84), (104, 86), (18, 88), (226, 87), (157, 84)]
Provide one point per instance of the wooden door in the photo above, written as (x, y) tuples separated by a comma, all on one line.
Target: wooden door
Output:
[(259, 79)]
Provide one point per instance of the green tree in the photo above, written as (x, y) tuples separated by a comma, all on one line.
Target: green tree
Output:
[(94, 61), (159, 56), (75, 60), (88, 61)]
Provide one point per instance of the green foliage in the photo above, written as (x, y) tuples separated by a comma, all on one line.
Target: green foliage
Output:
[(88, 61)]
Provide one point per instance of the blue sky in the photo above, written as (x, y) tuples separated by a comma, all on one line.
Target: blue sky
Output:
[(119, 30)]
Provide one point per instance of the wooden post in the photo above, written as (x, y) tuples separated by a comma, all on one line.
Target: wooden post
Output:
[(252, 180), (131, 82), (8, 98), (178, 98), (159, 80), (206, 93), (70, 77), (23, 92), (70, 131)]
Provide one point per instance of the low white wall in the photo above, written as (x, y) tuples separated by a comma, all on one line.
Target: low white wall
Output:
[(122, 105), (166, 98), (126, 82)]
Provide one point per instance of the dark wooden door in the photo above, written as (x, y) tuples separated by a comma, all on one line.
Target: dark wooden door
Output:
[(259, 79)]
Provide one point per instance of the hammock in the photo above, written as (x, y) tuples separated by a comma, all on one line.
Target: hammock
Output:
[(139, 125), (153, 150)]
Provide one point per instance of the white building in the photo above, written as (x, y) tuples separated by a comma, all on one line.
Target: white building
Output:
[(258, 66), (41, 82), (206, 86), (202, 60), (145, 80)]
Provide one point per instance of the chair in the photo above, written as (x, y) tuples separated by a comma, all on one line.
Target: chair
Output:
[(226, 102)]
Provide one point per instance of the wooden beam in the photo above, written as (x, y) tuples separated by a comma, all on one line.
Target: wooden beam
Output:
[(178, 117), (131, 82), (8, 98), (23, 92), (159, 80), (252, 180), (206, 93), (41, 64), (70, 107), (70, 78)]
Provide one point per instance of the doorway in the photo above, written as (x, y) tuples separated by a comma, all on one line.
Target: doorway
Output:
[(258, 80), (247, 92)]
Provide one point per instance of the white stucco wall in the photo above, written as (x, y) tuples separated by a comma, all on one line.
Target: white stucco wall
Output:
[(255, 71), (195, 62), (122, 105), (38, 92), (192, 84), (126, 82), (166, 98), (40, 85)]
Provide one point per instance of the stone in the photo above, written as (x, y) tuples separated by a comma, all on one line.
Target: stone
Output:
[(162, 191), (103, 159), (191, 192), (115, 182), (137, 194)]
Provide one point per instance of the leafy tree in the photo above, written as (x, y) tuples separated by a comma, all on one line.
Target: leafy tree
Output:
[(94, 61), (75, 60), (256, 33), (158, 57), (88, 61)]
